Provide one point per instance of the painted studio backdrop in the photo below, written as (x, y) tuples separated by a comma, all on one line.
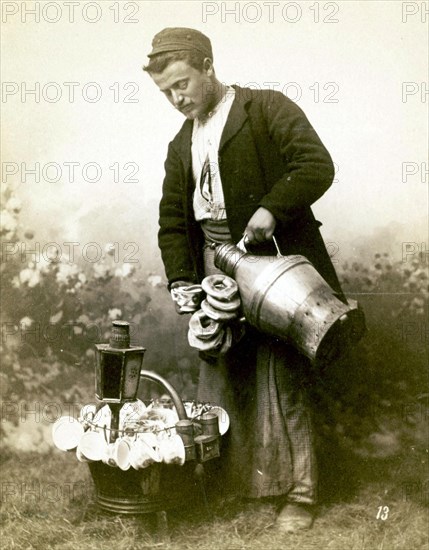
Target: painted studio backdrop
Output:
[(85, 135)]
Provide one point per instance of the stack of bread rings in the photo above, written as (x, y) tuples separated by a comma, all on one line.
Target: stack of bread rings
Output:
[(212, 328)]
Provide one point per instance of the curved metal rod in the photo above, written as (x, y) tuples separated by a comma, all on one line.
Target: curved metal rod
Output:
[(180, 408)]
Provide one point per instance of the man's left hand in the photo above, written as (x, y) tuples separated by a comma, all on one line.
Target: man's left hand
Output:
[(261, 226)]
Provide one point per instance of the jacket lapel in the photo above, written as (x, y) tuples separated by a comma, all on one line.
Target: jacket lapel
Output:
[(184, 145), (236, 117)]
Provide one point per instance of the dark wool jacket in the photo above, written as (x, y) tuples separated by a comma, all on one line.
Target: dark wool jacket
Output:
[(270, 156)]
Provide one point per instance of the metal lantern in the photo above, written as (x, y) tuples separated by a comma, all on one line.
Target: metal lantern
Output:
[(117, 372), (118, 365)]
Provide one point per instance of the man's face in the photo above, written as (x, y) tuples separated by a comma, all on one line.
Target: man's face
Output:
[(187, 89)]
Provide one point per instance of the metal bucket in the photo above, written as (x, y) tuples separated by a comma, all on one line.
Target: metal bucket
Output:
[(155, 488), (285, 296)]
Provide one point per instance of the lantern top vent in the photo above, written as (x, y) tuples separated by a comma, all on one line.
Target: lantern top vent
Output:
[(120, 335)]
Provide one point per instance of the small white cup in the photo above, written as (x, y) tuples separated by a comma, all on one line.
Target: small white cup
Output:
[(109, 458), (66, 433), (172, 450), (142, 454), (93, 446), (121, 454)]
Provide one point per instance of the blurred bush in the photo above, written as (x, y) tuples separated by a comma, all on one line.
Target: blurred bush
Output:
[(375, 398), (55, 310)]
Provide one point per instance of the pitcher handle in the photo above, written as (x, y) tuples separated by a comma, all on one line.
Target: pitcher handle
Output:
[(242, 245)]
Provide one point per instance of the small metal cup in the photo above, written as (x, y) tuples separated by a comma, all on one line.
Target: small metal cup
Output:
[(185, 429), (210, 424)]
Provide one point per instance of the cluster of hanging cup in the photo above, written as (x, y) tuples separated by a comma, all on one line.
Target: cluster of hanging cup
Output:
[(146, 435), (89, 436)]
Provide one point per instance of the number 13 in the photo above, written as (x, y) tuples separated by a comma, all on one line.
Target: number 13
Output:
[(383, 513)]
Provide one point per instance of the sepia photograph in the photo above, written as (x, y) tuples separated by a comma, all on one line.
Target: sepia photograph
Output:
[(214, 275)]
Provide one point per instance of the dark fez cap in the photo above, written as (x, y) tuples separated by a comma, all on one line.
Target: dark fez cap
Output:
[(173, 39)]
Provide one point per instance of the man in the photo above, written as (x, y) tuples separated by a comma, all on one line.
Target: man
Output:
[(245, 162)]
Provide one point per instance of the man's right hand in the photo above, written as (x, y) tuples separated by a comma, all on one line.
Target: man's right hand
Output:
[(261, 226)]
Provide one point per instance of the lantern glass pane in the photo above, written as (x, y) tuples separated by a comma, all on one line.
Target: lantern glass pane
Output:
[(132, 378), (112, 371)]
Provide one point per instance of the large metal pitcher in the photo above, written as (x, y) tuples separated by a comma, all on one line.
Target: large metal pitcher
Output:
[(285, 296)]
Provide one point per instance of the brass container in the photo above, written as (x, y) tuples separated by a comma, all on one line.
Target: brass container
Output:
[(285, 296)]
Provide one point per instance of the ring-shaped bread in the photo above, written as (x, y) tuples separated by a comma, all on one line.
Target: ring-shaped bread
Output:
[(216, 314), (203, 327), (220, 286), (232, 305)]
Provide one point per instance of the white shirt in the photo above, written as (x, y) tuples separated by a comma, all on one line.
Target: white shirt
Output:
[(208, 201)]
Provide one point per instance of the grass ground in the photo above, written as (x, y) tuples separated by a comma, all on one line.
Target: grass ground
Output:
[(48, 502)]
